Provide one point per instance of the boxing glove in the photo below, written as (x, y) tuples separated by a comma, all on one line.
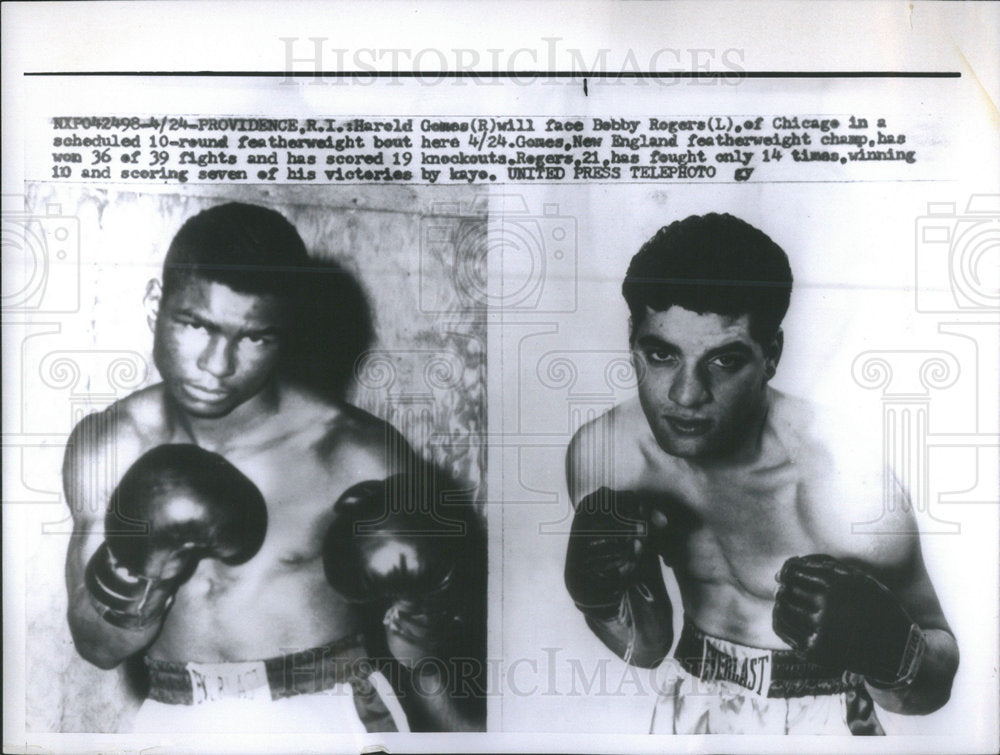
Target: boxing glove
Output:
[(174, 506), (841, 617), (391, 542), (613, 548)]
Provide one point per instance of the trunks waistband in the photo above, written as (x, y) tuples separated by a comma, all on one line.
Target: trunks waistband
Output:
[(773, 673), (301, 673)]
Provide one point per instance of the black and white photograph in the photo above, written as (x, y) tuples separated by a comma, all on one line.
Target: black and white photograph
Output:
[(274, 468), (726, 504), (596, 376)]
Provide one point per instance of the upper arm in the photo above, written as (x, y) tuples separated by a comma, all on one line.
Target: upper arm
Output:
[(84, 486), (574, 481), (883, 538), (859, 511), (588, 466), (98, 451), (903, 563), (604, 453), (101, 447)]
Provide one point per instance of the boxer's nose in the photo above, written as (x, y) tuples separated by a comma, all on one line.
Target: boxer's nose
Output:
[(687, 389)]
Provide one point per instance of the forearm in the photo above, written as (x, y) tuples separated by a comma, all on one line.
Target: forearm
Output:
[(432, 688), (96, 639), (931, 687), (99, 642), (439, 669), (642, 632)]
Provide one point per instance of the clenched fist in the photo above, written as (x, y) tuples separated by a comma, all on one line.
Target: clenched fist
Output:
[(841, 617)]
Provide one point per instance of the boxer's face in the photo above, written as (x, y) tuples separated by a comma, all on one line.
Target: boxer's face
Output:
[(701, 380), (215, 347)]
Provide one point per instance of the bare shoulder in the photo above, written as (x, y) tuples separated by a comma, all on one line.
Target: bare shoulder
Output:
[(796, 420), (603, 451), (354, 439), (813, 436), (106, 443), (123, 424)]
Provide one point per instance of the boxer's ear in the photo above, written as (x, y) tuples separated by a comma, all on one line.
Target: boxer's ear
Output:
[(151, 302), (772, 354), (635, 357)]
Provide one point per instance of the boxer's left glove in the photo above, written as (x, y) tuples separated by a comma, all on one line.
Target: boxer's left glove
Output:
[(177, 504), (840, 617), (391, 543)]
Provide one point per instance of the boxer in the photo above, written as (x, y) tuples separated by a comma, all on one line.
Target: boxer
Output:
[(201, 505), (792, 622)]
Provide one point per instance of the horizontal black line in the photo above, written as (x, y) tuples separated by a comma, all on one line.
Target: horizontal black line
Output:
[(566, 183), (525, 74)]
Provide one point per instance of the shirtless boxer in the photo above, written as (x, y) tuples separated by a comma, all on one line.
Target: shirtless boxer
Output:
[(203, 506), (792, 622)]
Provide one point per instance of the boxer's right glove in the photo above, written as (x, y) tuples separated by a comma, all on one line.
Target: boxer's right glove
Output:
[(612, 549), (176, 505)]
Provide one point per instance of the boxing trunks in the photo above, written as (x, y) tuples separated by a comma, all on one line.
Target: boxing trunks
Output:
[(713, 686), (333, 688)]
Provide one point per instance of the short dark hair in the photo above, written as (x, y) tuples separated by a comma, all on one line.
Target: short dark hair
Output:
[(251, 249), (257, 250), (711, 263)]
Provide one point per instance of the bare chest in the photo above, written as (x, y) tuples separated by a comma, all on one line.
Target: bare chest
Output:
[(737, 526), (280, 597), (300, 493)]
